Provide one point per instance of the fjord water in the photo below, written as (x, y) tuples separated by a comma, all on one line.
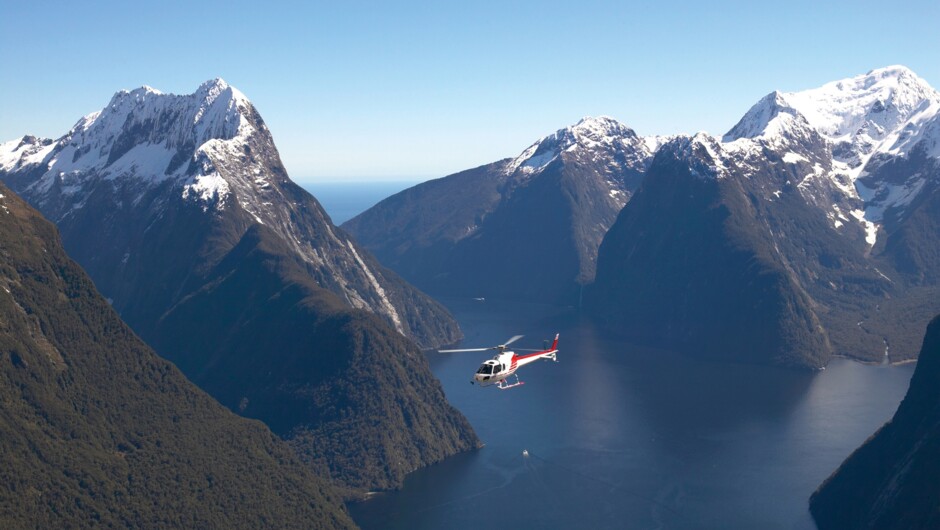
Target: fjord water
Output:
[(620, 436)]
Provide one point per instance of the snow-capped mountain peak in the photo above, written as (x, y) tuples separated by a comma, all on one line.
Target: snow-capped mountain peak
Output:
[(213, 87), (869, 111), (756, 122), (207, 161), (883, 110), (847, 131), (599, 129), (145, 135), (591, 133)]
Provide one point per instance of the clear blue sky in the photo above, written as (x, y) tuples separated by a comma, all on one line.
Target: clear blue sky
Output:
[(413, 90)]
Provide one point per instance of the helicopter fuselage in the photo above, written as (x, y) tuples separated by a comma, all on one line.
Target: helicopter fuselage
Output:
[(505, 364)]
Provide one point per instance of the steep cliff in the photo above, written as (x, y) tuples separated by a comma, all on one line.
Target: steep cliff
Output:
[(97, 431), (893, 480)]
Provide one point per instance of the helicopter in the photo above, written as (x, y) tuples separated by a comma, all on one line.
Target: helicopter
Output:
[(498, 369)]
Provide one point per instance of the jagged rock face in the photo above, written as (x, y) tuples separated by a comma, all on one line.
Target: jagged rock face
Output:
[(893, 480), (180, 209), (881, 133), (182, 178), (525, 228), (831, 191), (96, 430)]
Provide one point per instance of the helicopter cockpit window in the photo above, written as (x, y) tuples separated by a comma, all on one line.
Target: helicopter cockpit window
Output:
[(485, 369)]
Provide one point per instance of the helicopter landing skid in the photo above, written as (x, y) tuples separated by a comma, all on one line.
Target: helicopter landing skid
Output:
[(505, 384)]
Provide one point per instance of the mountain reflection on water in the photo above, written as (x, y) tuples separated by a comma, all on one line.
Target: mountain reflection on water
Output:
[(622, 436)]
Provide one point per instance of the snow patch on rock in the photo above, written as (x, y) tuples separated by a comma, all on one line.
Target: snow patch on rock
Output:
[(865, 121), (143, 135), (387, 306)]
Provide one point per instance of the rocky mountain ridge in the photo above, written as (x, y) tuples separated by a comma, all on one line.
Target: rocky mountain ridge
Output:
[(869, 121), (472, 233), (181, 211), (832, 188), (833, 191), (150, 151)]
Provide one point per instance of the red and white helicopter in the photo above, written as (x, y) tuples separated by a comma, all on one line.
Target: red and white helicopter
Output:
[(505, 363)]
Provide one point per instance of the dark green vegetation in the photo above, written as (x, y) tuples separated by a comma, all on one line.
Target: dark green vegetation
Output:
[(97, 431), (525, 228), (351, 394), (893, 480)]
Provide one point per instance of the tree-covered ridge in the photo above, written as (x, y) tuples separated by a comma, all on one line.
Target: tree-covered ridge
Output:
[(352, 395), (97, 431)]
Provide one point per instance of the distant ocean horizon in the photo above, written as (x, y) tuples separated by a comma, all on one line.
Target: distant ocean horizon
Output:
[(346, 199)]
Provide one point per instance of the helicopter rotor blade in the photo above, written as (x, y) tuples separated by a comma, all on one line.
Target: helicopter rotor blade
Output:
[(526, 349), (514, 339), (464, 350)]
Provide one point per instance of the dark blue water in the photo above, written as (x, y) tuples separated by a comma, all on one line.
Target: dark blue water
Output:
[(620, 436), (345, 200)]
